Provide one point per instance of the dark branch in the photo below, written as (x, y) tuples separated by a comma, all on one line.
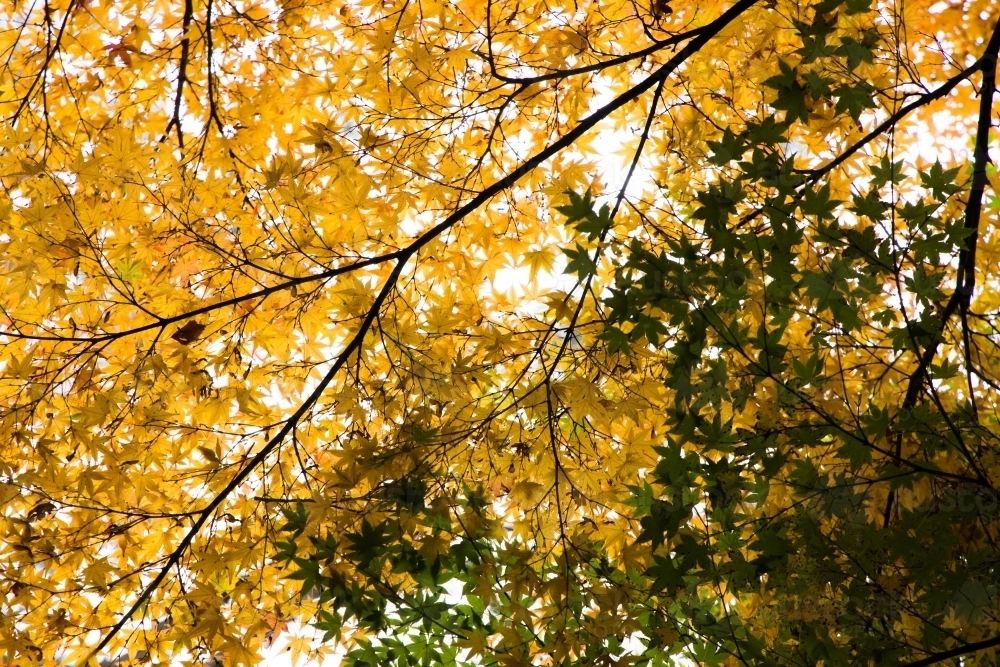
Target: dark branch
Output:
[(175, 121), (881, 128), (403, 257), (965, 281), (964, 649)]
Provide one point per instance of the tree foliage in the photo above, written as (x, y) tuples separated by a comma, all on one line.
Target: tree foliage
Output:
[(507, 332)]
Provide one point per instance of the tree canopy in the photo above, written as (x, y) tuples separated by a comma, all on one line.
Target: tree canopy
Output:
[(499, 332)]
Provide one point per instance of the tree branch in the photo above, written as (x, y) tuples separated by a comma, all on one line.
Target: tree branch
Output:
[(403, 256), (964, 649), (965, 281), (175, 121)]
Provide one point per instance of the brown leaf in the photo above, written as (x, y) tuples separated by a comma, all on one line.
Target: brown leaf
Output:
[(40, 510), (661, 8), (209, 454), (188, 333)]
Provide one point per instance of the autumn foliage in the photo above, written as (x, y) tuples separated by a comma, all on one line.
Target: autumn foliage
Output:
[(499, 332)]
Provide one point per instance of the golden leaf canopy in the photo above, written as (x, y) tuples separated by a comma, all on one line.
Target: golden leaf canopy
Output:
[(498, 332)]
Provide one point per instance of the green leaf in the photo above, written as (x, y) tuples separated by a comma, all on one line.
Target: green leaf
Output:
[(939, 181), (791, 93), (855, 52), (857, 6), (810, 370), (578, 208), (368, 543), (580, 213), (728, 149), (870, 206), (718, 202), (296, 518), (617, 340), (817, 202), (924, 284), (767, 133), (855, 99), (641, 499), (886, 172), (814, 35), (666, 574), (580, 262)]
